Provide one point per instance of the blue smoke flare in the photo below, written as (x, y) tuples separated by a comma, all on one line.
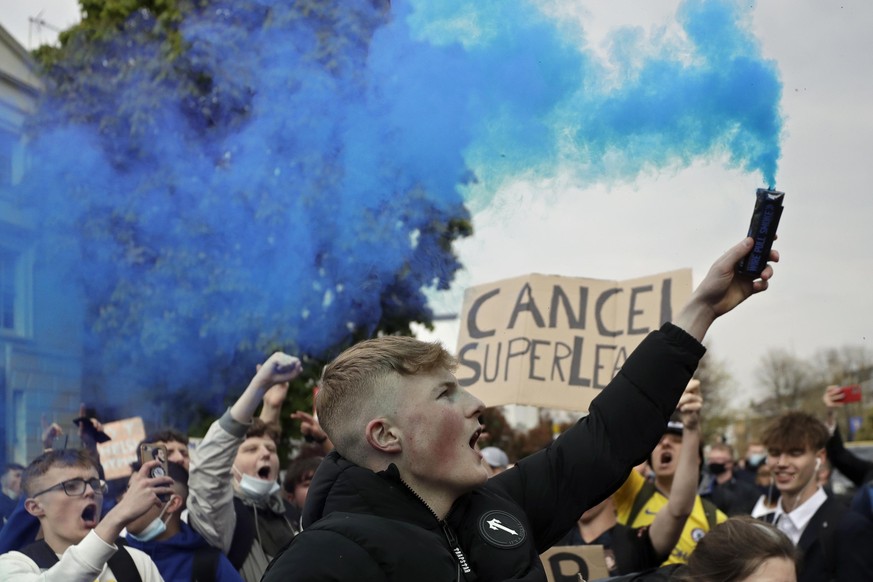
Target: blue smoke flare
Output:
[(275, 205)]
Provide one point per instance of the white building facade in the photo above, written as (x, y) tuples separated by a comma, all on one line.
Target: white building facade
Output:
[(40, 335)]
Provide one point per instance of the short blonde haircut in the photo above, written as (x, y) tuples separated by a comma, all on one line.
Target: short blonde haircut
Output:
[(356, 386)]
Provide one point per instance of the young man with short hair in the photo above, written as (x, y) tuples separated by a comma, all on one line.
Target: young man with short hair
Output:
[(235, 500), (834, 543), (179, 552), (638, 501), (406, 494), (65, 493), (176, 443), (731, 495), (634, 549)]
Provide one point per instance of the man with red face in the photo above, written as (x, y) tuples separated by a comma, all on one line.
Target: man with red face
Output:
[(65, 493), (834, 543), (406, 494)]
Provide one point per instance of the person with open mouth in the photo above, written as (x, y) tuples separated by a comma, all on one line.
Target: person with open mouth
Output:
[(406, 494), (638, 502), (65, 493), (235, 500)]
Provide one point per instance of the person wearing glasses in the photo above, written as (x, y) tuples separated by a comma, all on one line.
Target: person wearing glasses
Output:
[(63, 491)]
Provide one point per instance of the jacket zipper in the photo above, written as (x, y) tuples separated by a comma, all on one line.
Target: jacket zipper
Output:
[(464, 571)]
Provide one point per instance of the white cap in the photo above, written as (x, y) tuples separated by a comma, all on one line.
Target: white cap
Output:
[(495, 457)]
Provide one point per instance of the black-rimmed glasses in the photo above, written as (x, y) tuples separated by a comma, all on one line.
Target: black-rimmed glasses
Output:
[(76, 487)]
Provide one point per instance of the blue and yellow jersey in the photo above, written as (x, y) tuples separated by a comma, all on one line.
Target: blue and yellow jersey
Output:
[(695, 528)]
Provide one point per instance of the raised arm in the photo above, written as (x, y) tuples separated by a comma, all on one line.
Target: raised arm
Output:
[(721, 290), (210, 501), (271, 412), (628, 417), (856, 469), (670, 520), (279, 369)]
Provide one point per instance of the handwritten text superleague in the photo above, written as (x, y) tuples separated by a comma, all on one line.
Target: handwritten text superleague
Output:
[(488, 360)]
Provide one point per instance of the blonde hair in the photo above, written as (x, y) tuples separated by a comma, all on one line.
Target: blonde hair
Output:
[(357, 385)]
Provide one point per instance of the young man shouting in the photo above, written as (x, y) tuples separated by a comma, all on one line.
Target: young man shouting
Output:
[(65, 493), (406, 494)]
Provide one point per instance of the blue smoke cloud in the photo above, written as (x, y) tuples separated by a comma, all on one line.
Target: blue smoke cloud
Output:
[(277, 207)]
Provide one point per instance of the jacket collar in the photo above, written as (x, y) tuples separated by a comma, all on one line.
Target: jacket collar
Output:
[(341, 485)]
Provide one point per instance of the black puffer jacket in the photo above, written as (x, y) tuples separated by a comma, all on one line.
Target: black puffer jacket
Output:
[(360, 525)]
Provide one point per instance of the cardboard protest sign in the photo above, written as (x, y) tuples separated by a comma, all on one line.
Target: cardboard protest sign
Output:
[(117, 454), (555, 341), (566, 563)]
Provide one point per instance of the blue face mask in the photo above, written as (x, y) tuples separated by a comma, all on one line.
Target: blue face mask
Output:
[(152, 530)]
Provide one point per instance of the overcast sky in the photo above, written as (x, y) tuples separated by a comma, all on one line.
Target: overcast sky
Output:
[(820, 296)]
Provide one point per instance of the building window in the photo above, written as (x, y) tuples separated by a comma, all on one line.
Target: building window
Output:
[(15, 291), (8, 141), (7, 290)]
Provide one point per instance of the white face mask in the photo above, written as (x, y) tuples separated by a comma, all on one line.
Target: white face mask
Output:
[(255, 488), (756, 459), (152, 530)]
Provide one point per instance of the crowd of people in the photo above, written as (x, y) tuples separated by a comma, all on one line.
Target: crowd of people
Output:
[(394, 485)]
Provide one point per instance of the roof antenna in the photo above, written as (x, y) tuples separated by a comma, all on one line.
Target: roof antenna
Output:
[(39, 22)]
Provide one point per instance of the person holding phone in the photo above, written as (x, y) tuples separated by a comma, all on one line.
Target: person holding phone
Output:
[(65, 493), (178, 551), (859, 471)]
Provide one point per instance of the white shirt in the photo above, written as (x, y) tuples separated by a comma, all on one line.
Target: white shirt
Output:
[(792, 524), (83, 562), (761, 508)]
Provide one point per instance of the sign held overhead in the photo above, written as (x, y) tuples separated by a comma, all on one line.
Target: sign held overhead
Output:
[(555, 341)]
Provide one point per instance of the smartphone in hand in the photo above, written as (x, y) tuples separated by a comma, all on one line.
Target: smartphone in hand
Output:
[(851, 393), (150, 452)]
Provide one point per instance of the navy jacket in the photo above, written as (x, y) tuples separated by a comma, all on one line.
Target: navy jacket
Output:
[(835, 545), (174, 557)]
